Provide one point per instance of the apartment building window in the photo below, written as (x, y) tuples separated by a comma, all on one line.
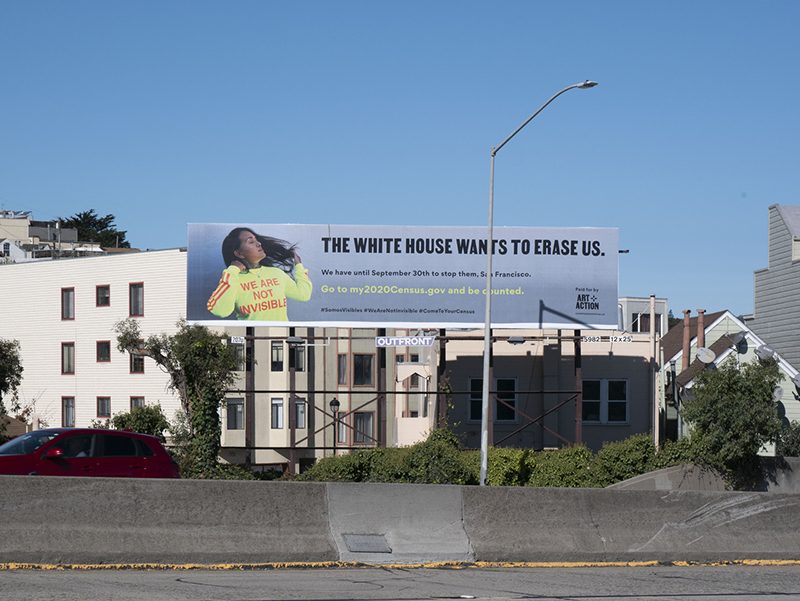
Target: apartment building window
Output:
[(136, 299), (68, 411), (297, 357), (137, 401), (103, 351), (362, 370), (137, 363), (276, 414), (341, 369), (276, 354), (605, 401), (67, 357), (104, 406), (102, 296), (6, 249), (640, 323), (475, 398), (300, 414), (363, 422), (506, 390), (68, 303), (235, 413), (239, 356)]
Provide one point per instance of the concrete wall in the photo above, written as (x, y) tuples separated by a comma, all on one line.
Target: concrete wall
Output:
[(76, 520)]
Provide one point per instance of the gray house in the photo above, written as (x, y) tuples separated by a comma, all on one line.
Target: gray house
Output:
[(776, 317)]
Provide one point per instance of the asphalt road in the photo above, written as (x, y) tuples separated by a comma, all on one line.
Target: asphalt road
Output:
[(667, 583)]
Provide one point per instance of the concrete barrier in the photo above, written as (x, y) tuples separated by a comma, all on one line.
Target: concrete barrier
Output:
[(518, 524), (398, 523), (103, 520)]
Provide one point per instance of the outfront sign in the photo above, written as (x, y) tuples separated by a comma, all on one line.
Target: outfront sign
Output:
[(400, 276)]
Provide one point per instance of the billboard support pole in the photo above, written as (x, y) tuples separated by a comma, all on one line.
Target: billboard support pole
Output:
[(488, 291), (382, 392), (578, 388), (249, 395)]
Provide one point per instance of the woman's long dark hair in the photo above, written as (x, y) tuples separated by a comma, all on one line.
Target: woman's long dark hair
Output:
[(280, 253)]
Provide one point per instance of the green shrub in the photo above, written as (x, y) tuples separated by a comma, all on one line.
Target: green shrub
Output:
[(388, 465), (508, 467), (676, 453), (437, 461), (353, 467), (620, 460), (569, 467), (149, 419), (789, 440)]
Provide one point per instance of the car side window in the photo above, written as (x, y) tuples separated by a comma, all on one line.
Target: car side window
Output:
[(117, 446), (75, 447), (142, 450)]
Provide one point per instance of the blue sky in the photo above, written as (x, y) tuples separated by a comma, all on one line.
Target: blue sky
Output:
[(353, 112)]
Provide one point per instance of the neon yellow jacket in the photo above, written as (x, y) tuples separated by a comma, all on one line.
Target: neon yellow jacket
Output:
[(259, 294)]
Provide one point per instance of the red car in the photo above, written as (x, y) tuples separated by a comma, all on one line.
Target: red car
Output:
[(86, 452)]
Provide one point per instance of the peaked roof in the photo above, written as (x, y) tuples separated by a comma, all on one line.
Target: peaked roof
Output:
[(672, 341), (722, 344), (791, 216)]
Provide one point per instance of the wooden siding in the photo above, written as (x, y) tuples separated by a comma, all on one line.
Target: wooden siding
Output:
[(777, 290), (30, 312)]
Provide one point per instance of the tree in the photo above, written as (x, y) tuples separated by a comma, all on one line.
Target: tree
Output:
[(201, 368), (149, 419), (93, 228), (10, 377), (733, 415)]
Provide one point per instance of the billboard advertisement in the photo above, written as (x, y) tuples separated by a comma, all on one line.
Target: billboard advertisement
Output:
[(400, 276)]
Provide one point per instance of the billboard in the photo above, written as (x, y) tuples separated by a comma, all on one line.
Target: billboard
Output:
[(400, 276)]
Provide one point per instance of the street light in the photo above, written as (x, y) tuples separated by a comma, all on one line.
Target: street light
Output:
[(334, 404), (487, 326)]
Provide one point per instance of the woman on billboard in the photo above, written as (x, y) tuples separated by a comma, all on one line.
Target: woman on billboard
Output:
[(261, 274)]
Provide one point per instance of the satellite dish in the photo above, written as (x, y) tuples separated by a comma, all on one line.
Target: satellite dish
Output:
[(777, 394), (764, 352), (737, 338), (706, 355)]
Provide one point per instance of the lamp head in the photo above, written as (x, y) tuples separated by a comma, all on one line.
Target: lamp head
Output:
[(334, 405), (587, 84)]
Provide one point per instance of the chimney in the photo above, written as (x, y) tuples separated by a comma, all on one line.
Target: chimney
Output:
[(701, 328), (686, 339)]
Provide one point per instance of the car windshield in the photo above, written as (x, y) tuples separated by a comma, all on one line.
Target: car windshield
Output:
[(27, 443)]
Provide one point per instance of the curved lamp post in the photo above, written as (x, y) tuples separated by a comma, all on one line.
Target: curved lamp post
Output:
[(488, 315)]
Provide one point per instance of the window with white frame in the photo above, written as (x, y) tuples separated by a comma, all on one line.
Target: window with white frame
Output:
[(341, 369), (506, 390), (235, 414), (475, 398), (276, 414), (640, 323), (605, 401), (276, 355), (300, 414)]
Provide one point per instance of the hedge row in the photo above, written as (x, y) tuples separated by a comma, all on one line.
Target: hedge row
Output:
[(438, 460)]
